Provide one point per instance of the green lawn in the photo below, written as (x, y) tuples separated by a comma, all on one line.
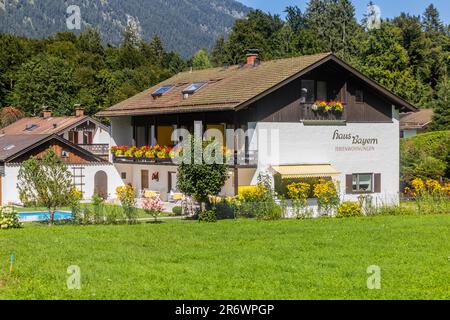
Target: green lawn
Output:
[(289, 259)]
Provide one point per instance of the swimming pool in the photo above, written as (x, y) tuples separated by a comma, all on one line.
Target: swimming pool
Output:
[(43, 216)]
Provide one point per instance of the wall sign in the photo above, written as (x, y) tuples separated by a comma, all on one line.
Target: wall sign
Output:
[(357, 142)]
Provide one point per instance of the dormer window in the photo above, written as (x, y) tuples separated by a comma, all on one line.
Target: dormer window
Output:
[(194, 87), (161, 91)]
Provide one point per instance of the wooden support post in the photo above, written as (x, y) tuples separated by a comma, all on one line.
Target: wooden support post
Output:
[(236, 181)]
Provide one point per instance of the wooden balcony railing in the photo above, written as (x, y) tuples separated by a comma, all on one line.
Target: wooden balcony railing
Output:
[(97, 149), (250, 159)]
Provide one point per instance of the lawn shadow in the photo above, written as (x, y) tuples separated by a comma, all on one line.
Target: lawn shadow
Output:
[(155, 222)]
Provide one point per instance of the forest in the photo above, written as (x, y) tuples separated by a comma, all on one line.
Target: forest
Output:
[(409, 55)]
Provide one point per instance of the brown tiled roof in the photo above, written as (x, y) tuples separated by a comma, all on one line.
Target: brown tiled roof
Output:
[(225, 88), (11, 144), (51, 125), (416, 120)]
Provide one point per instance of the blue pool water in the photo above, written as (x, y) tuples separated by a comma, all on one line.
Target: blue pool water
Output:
[(43, 216)]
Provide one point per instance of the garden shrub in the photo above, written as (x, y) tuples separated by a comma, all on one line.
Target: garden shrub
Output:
[(113, 215), (397, 210), (225, 210), (258, 202), (75, 205), (268, 210), (153, 207), (127, 197), (431, 197), (209, 215), (97, 203), (349, 209), (327, 196), (425, 156), (9, 218), (281, 185), (299, 193), (177, 211)]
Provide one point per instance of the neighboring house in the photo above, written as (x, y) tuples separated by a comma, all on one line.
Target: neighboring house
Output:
[(413, 123), (90, 173), (359, 146), (78, 129)]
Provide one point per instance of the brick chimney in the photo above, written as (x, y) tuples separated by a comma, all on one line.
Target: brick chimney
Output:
[(252, 57), (47, 113), (79, 110)]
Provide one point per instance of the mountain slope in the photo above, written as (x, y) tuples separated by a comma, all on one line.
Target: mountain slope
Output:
[(184, 25)]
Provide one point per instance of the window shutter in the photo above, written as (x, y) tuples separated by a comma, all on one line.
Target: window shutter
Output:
[(349, 184), (377, 183)]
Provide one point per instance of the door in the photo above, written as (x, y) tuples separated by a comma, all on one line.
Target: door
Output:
[(0, 190), (101, 184), (144, 179)]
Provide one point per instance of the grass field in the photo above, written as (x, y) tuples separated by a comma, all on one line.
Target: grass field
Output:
[(289, 259)]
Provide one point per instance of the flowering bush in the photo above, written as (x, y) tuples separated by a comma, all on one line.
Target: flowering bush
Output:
[(349, 209), (332, 106), (327, 196), (9, 218), (153, 207), (127, 198), (423, 188), (299, 191)]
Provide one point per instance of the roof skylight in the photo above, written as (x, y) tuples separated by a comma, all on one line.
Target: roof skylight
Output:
[(9, 147), (193, 87), (162, 90), (30, 127)]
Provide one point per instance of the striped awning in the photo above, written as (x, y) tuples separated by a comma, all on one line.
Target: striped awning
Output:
[(306, 171)]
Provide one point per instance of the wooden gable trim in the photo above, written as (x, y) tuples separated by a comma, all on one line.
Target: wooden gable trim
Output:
[(331, 57), (83, 120)]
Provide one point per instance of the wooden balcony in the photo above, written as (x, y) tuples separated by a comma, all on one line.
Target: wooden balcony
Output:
[(96, 149), (249, 160)]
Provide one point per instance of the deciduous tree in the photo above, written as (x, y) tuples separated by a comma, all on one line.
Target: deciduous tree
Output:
[(45, 183)]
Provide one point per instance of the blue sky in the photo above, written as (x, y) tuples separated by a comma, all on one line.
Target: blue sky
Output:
[(389, 8)]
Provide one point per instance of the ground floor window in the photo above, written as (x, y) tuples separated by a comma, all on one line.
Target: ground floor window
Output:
[(362, 183), (359, 183)]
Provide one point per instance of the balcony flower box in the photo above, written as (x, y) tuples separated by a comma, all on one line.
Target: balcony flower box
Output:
[(328, 107)]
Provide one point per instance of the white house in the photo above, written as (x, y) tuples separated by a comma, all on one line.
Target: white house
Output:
[(307, 117), (91, 174), (79, 129)]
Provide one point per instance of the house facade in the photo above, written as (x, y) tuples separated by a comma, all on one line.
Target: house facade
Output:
[(91, 174), (309, 117), (79, 129)]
